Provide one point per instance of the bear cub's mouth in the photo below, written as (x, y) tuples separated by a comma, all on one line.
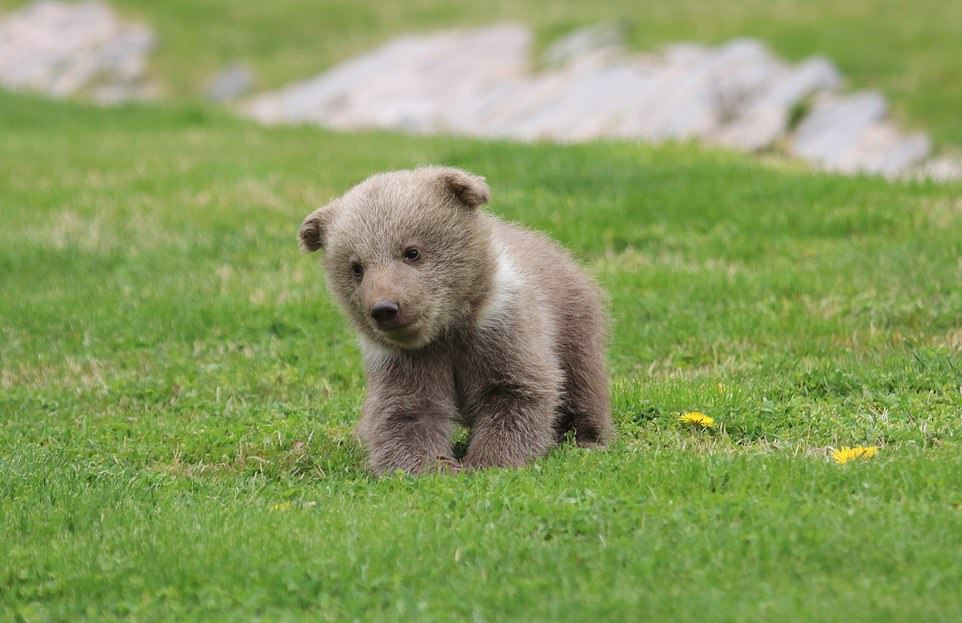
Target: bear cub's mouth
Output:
[(404, 333)]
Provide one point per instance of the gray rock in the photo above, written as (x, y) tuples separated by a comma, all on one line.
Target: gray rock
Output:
[(583, 42), (579, 108), (763, 118), (698, 89), (793, 85), (754, 129), (834, 126), (410, 83), (230, 84), (883, 149), (479, 83), (63, 49), (850, 135)]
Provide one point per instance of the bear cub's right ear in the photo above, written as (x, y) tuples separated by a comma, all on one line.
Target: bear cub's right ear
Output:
[(314, 228), (471, 190), (466, 188)]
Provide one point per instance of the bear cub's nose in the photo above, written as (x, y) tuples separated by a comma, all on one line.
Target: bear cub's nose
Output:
[(384, 312)]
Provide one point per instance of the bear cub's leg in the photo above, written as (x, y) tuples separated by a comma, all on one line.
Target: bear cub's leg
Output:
[(513, 422), (585, 408), (408, 418), (412, 438), (510, 431)]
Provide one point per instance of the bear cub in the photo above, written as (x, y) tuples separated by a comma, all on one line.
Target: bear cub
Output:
[(462, 318)]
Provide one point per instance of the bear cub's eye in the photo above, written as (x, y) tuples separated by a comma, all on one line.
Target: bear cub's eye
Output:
[(356, 269), (411, 254)]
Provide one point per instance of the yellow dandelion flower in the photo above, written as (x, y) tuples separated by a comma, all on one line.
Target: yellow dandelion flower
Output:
[(846, 454), (281, 506), (697, 418)]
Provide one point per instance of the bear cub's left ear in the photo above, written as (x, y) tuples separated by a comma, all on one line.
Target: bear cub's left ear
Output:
[(313, 229), (470, 190)]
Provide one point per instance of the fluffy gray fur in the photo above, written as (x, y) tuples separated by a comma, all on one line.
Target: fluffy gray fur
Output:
[(495, 326)]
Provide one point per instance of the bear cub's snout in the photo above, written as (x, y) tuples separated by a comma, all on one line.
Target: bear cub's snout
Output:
[(462, 318), (385, 313)]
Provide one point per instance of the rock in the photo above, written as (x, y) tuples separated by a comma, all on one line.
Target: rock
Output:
[(699, 89), (883, 149), (591, 40), (412, 83), (63, 49), (849, 134), (741, 71), (689, 91), (478, 82), (834, 125), (763, 118), (582, 107), (814, 74), (754, 129), (230, 84)]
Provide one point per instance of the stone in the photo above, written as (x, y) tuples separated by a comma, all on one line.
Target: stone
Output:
[(229, 84), (883, 149), (478, 82), (63, 49), (763, 118), (694, 92), (408, 84), (834, 124), (849, 134), (583, 42), (793, 85), (754, 129)]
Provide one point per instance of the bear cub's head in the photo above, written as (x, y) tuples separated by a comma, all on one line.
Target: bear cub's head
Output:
[(406, 253)]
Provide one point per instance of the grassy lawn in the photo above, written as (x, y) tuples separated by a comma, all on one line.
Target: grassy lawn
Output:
[(177, 391)]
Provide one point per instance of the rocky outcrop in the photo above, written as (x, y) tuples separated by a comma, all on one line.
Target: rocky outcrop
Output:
[(480, 82), (64, 49)]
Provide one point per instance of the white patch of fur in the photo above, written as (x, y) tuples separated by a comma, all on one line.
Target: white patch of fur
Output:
[(505, 286), (375, 355)]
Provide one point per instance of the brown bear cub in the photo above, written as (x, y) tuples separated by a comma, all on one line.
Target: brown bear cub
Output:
[(462, 318)]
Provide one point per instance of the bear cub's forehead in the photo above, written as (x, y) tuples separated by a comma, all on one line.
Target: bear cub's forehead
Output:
[(395, 208), (385, 191)]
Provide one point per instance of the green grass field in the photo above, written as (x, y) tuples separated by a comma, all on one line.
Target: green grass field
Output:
[(177, 391)]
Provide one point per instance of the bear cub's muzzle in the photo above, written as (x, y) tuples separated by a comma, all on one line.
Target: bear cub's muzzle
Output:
[(386, 313)]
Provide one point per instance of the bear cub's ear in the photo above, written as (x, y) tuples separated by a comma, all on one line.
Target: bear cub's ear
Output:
[(470, 190), (313, 229)]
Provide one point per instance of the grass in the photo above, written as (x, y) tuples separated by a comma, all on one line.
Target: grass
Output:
[(177, 390)]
